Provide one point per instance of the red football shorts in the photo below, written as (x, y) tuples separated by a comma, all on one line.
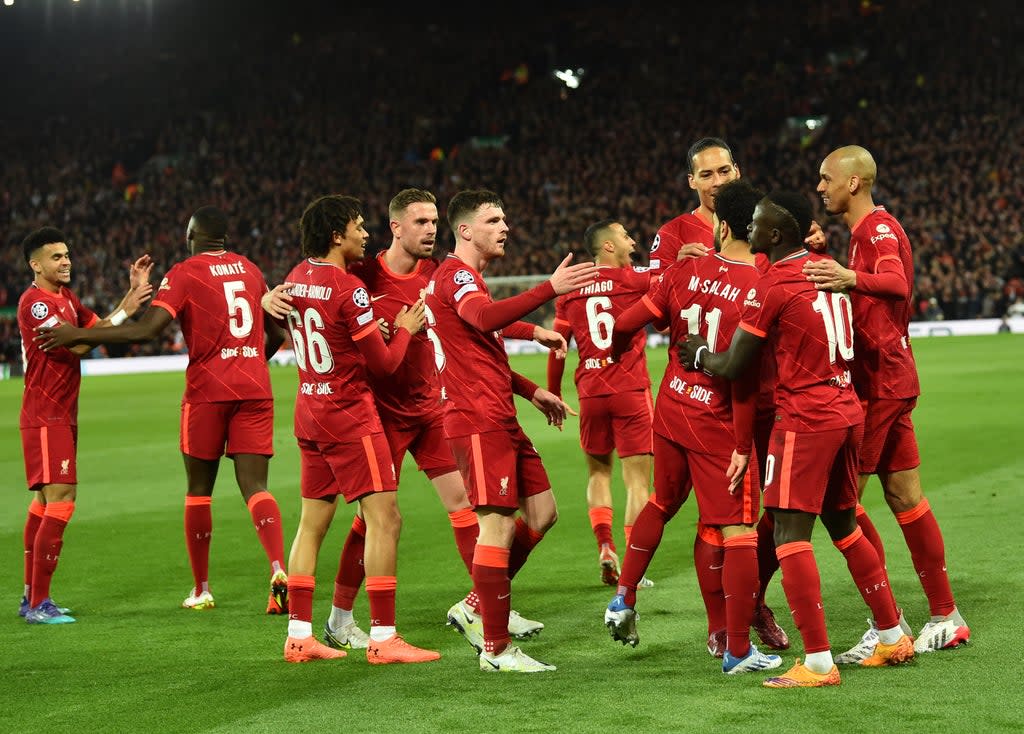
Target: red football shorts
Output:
[(50, 455), (211, 430), (621, 422), (499, 467), (889, 441), (426, 443), (813, 472), (352, 469), (677, 469)]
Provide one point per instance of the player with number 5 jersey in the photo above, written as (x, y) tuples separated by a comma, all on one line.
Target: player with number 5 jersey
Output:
[(228, 406)]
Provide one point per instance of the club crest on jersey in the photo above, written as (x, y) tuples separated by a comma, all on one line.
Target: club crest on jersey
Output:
[(462, 277), (883, 228), (361, 298), (40, 310)]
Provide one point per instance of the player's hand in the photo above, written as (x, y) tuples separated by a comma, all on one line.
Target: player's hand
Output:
[(385, 329), (815, 239), (63, 334), (139, 272), (278, 302), (693, 249), (567, 278), (136, 297), (552, 340), (411, 318), (553, 407), (737, 468), (828, 275), (688, 350)]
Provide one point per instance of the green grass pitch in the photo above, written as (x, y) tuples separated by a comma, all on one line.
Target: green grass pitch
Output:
[(135, 661)]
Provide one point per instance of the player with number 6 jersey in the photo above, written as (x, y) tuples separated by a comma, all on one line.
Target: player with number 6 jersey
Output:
[(614, 394)]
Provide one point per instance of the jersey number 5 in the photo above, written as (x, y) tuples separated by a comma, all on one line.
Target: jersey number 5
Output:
[(239, 310)]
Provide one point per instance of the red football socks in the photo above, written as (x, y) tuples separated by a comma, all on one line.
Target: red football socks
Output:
[(802, 584), (266, 516), (350, 566), (46, 549), (928, 553), (198, 529)]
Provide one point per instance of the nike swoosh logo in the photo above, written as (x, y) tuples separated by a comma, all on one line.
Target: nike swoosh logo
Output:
[(504, 596), (716, 568), (377, 298), (642, 550)]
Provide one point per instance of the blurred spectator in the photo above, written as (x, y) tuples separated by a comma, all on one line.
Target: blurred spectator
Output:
[(118, 154)]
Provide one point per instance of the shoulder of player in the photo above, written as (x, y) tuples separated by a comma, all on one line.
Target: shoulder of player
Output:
[(877, 221)]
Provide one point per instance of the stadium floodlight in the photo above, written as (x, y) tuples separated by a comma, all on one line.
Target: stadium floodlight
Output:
[(571, 78), (8, 3)]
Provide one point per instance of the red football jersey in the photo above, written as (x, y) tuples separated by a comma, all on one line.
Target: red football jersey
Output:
[(699, 296), (412, 395), (675, 233), (884, 367), (331, 309), (810, 333), (52, 379), (476, 378), (215, 296), (590, 315)]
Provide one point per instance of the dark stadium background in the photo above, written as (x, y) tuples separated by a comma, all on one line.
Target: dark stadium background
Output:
[(120, 117)]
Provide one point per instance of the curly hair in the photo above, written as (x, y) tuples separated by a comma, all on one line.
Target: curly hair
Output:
[(322, 218)]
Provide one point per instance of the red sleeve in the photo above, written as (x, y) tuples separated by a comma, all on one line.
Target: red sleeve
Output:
[(494, 315), (519, 330), (745, 391), (556, 367), (629, 322), (888, 281), (381, 359), (523, 386)]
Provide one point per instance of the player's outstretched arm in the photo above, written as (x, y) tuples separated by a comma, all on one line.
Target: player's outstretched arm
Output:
[(66, 335), (694, 354), (551, 339), (553, 407), (567, 278), (556, 362), (383, 359), (277, 302), (888, 281), (629, 323), (693, 250)]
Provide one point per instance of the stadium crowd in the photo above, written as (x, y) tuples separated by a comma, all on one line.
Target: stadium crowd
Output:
[(118, 149)]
